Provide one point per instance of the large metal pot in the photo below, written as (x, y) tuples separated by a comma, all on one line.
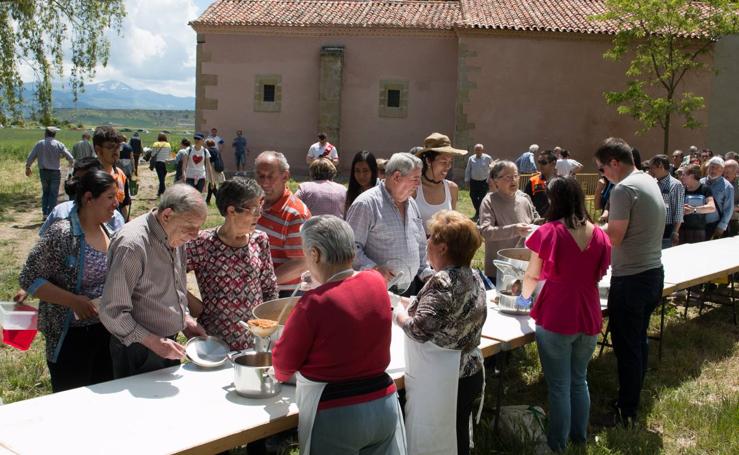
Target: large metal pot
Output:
[(271, 310), (518, 258), (251, 375)]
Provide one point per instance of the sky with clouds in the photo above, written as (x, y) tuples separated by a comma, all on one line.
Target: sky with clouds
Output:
[(156, 48)]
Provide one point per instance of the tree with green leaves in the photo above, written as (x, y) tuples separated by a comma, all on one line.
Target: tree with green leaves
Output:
[(49, 37), (665, 40)]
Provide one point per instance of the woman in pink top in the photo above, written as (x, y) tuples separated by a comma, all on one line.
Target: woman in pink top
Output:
[(571, 254)]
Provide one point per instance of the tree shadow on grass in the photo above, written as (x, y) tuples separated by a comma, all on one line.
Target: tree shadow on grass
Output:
[(688, 347)]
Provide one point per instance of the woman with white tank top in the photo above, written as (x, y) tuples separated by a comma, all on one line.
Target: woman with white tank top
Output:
[(435, 192)]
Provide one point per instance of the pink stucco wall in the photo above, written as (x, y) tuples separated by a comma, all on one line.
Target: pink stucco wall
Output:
[(427, 62), (549, 90)]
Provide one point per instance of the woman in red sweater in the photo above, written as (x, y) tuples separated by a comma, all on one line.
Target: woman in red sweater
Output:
[(337, 340)]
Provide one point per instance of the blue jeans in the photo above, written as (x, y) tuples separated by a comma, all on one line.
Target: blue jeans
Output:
[(631, 301), (50, 180), (564, 360), (366, 428)]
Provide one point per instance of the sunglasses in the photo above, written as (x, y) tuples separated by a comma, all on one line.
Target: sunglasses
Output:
[(543, 162)]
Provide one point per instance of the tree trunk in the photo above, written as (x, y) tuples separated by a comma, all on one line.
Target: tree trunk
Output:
[(666, 138)]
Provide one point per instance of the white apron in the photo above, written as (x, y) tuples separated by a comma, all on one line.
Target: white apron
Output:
[(431, 380), (308, 395)]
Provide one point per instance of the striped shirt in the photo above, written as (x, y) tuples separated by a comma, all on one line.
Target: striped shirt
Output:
[(146, 287), (282, 222), (673, 192)]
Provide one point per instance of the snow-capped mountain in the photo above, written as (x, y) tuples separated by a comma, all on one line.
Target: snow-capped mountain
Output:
[(113, 95)]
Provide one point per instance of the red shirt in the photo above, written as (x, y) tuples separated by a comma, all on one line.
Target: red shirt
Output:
[(338, 332), (282, 224), (569, 302)]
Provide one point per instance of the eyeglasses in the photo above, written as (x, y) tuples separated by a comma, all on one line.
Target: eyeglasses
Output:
[(110, 146), (251, 210), (543, 162), (510, 177), (600, 169)]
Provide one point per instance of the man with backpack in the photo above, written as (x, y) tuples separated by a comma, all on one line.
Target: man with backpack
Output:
[(216, 161)]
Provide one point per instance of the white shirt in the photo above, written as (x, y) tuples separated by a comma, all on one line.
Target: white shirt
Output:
[(196, 163), (317, 150), (565, 166)]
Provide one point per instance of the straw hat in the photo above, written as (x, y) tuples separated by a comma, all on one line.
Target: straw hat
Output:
[(438, 142)]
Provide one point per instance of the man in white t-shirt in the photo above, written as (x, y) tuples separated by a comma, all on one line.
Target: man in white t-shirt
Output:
[(322, 149), (215, 138), (566, 166)]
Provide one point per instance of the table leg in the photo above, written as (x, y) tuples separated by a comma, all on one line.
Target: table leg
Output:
[(499, 392), (662, 328), (733, 301)]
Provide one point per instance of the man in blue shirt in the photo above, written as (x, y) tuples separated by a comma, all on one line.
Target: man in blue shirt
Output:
[(48, 151), (526, 163), (723, 197), (239, 146)]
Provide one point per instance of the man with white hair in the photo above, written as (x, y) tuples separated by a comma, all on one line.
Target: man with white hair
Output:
[(145, 300), (723, 196), (731, 168), (388, 229), (282, 217), (476, 176), (526, 163)]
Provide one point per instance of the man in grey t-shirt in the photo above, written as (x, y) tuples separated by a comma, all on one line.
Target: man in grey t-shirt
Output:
[(636, 223)]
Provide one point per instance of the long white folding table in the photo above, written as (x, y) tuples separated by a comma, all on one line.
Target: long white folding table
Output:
[(182, 409)]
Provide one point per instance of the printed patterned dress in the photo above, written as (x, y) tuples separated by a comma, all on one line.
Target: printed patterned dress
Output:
[(232, 282)]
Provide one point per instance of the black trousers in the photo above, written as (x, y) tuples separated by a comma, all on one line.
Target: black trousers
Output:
[(135, 359), (631, 301), (468, 391), (83, 360), (478, 190), (161, 168)]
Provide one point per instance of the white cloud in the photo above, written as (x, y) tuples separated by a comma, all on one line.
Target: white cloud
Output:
[(155, 50)]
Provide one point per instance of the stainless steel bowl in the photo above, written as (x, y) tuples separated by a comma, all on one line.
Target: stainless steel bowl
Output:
[(206, 351), (507, 304), (252, 378)]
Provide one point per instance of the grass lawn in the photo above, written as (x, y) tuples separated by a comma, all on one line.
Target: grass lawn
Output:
[(690, 402)]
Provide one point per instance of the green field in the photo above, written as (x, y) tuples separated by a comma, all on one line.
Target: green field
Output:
[(133, 118), (690, 402)]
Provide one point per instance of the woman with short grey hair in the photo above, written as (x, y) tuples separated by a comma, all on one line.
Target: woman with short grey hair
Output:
[(506, 215), (323, 196), (232, 264), (347, 402)]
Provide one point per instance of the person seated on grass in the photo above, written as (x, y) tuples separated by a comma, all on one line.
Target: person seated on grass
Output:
[(77, 344)]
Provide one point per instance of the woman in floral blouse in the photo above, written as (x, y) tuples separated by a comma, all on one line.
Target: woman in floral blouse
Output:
[(450, 309), (232, 264), (66, 270)]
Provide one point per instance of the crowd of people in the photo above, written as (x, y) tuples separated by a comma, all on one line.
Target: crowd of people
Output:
[(113, 292)]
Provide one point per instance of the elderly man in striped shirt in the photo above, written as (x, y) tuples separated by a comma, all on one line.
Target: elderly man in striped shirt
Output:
[(282, 217), (145, 301)]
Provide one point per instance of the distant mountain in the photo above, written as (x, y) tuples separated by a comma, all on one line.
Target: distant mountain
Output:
[(113, 95)]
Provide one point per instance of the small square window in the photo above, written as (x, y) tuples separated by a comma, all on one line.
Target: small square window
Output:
[(393, 98), (269, 93)]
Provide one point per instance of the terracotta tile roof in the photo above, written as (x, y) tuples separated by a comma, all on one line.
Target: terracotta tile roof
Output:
[(327, 13), (524, 15), (538, 15)]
